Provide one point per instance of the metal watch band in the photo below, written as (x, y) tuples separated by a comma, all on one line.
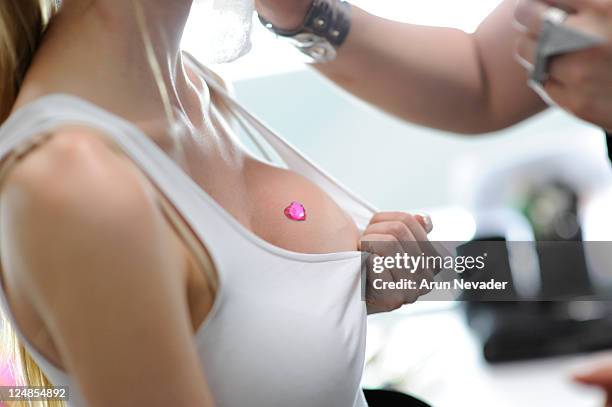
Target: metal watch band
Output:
[(329, 19)]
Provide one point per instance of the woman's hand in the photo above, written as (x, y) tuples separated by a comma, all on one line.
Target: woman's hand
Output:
[(390, 234), (580, 82), (284, 14)]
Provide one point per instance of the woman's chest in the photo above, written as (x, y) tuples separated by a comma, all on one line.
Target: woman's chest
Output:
[(279, 206), (305, 323)]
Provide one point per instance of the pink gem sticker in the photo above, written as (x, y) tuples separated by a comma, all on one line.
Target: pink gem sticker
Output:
[(296, 211)]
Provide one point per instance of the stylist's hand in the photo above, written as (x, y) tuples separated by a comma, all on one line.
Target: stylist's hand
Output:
[(388, 234), (580, 82), (600, 376), (284, 14)]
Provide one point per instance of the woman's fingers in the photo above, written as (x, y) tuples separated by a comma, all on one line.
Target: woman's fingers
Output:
[(425, 221), (422, 220), (401, 225), (400, 231), (400, 249), (381, 244), (382, 300), (418, 225)]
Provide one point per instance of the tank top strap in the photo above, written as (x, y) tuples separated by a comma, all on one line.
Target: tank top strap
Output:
[(359, 209), (201, 221), (33, 122)]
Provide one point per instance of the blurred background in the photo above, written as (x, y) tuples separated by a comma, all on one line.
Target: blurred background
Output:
[(549, 173), (325, 123), (428, 349)]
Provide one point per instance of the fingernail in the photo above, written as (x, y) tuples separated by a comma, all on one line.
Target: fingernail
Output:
[(427, 223)]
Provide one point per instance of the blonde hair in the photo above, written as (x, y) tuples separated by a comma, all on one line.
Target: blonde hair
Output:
[(22, 25)]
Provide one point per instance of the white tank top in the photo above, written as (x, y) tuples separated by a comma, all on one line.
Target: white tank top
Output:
[(286, 329)]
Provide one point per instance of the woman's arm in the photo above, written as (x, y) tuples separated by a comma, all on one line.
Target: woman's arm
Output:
[(84, 241), (438, 77)]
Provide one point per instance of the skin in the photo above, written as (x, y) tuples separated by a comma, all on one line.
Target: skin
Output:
[(95, 273), (471, 83), (599, 376), (580, 82), (465, 83)]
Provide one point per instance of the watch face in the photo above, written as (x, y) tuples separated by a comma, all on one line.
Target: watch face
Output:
[(316, 47)]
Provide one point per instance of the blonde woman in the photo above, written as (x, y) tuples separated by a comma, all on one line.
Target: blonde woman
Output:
[(147, 259)]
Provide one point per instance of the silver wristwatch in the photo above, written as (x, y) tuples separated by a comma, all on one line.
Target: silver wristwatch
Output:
[(323, 31)]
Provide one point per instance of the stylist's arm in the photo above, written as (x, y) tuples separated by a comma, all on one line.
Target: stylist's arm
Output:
[(438, 77), (466, 82), (579, 82)]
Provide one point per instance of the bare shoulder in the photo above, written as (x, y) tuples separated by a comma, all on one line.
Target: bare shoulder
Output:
[(73, 167), (74, 194), (84, 239)]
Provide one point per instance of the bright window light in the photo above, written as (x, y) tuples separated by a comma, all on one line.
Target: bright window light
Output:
[(271, 56)]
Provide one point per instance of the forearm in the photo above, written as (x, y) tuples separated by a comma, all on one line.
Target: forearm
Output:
[(426, 75), (438, 77)]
